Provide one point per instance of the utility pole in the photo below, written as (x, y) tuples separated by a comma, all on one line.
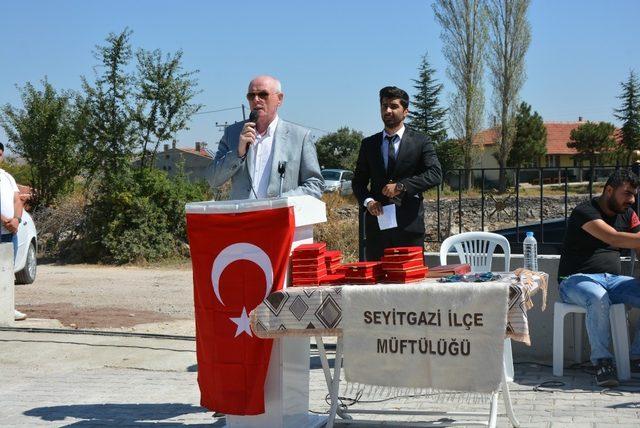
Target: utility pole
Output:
[(244, 116), (222, 126)]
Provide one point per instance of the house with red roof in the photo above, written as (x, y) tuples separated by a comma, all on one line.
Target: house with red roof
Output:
[(558, 154)]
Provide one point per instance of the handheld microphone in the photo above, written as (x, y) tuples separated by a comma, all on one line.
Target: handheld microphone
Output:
[(253, 116)]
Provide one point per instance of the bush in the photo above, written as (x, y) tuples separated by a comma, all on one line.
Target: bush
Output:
[(141, 218), (58, 226), (340, 232)]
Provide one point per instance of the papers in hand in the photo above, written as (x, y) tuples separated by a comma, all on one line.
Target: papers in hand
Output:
[(387, 220)]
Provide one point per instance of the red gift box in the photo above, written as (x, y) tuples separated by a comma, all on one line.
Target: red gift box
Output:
[(307, 261), (309, 250), (308, 268), (402, 250), (446, 270), (333, 256), (305, 282), (402, 266), (398, 258), (309, 275), (333, 279), (336, 268), (414, 274), (365, 270)]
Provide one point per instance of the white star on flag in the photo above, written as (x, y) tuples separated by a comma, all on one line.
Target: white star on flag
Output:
[(243, 323)]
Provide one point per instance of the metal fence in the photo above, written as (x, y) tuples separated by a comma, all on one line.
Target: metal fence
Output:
[(549, 231)]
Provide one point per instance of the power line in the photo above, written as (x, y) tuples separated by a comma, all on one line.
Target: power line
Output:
[(217, 111), (311, 127), (242, 107)]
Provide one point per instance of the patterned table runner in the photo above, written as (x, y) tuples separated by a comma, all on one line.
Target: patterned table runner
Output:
[(317, 311)]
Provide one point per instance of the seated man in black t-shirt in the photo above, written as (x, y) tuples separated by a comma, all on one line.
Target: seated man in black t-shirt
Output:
[(589, 271)]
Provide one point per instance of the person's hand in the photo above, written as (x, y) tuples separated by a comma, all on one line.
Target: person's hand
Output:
[(247, 137), (374, 208), (390, 190), (11, 224)]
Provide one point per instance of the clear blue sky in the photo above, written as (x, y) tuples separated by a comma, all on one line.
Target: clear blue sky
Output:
[(332, 56)]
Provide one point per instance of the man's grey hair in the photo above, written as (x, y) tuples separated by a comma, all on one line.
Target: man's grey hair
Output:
[(278, 85)]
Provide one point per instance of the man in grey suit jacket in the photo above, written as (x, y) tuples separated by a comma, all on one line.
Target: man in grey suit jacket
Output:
[(250, 153)]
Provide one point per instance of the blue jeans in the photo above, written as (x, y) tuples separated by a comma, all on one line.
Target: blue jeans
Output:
[(596, 292)]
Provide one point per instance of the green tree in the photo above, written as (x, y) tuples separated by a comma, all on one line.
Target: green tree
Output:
[(339, 149), (425, 113), (135, 214), (110, 137), (530, 141), (629, 114), (141, 218), (19, 170), (450, 155), (45, 133), (510, 35), (592, 140), (164, 94), (464, 36)]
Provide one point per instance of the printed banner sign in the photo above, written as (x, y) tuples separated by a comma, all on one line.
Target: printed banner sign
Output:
[(446, 337), (238, 260)]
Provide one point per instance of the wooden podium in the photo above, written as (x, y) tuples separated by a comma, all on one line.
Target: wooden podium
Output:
[(287, 383)]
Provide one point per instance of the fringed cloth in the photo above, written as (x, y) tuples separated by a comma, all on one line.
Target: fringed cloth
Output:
[(425, 337)]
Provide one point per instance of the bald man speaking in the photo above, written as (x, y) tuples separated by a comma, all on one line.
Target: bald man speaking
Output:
[(266, 152)]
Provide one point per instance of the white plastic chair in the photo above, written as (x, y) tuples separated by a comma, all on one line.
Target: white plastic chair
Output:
[(476, 249), (619, 336)]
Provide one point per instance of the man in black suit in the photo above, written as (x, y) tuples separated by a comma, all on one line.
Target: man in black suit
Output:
[(394, 167)]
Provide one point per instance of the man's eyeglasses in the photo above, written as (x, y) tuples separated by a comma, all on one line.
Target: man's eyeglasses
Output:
[(263, 95)]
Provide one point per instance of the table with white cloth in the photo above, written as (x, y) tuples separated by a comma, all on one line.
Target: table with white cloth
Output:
[(318, 311)]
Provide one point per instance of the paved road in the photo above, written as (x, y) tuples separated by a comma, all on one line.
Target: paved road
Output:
[(85, 381)]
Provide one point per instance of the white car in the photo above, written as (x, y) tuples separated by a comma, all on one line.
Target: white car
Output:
[(337, 180), (25, 263)]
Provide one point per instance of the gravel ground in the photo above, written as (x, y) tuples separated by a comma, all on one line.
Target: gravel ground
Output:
[(105, 297)]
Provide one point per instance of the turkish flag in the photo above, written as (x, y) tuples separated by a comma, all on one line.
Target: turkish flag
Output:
[(238, 260)]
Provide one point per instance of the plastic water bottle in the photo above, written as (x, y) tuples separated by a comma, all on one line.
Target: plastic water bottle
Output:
[(530, 250)]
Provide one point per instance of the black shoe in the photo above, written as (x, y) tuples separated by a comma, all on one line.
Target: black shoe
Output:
[(606, 374), (635, 366)]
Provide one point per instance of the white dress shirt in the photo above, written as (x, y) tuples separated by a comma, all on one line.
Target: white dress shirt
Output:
[(385, 151), (396, 144), (263, 158), (8, 190)]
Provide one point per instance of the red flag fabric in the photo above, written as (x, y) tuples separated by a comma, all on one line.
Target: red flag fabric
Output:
[(238, 260)]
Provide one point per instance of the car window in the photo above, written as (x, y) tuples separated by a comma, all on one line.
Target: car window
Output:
[(331, 175), (348, 175)]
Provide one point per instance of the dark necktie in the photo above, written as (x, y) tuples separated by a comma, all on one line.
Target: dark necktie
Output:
[(391, 154)]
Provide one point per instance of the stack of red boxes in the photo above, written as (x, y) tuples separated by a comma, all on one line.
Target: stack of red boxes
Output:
[(363, 272), (335, 270), (308, 264), (403, 264), (333, 261)]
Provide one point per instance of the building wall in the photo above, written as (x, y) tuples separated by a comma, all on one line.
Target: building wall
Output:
[(195, 166)]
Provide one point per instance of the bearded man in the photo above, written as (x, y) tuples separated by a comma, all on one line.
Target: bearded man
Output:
[(590, 272), (394, 167)]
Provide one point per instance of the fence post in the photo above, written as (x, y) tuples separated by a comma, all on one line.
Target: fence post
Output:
[(362, 235)]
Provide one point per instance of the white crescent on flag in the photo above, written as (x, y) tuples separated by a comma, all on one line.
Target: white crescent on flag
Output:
[(241, 251)]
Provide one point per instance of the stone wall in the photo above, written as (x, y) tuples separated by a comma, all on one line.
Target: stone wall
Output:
[(499, 213)]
